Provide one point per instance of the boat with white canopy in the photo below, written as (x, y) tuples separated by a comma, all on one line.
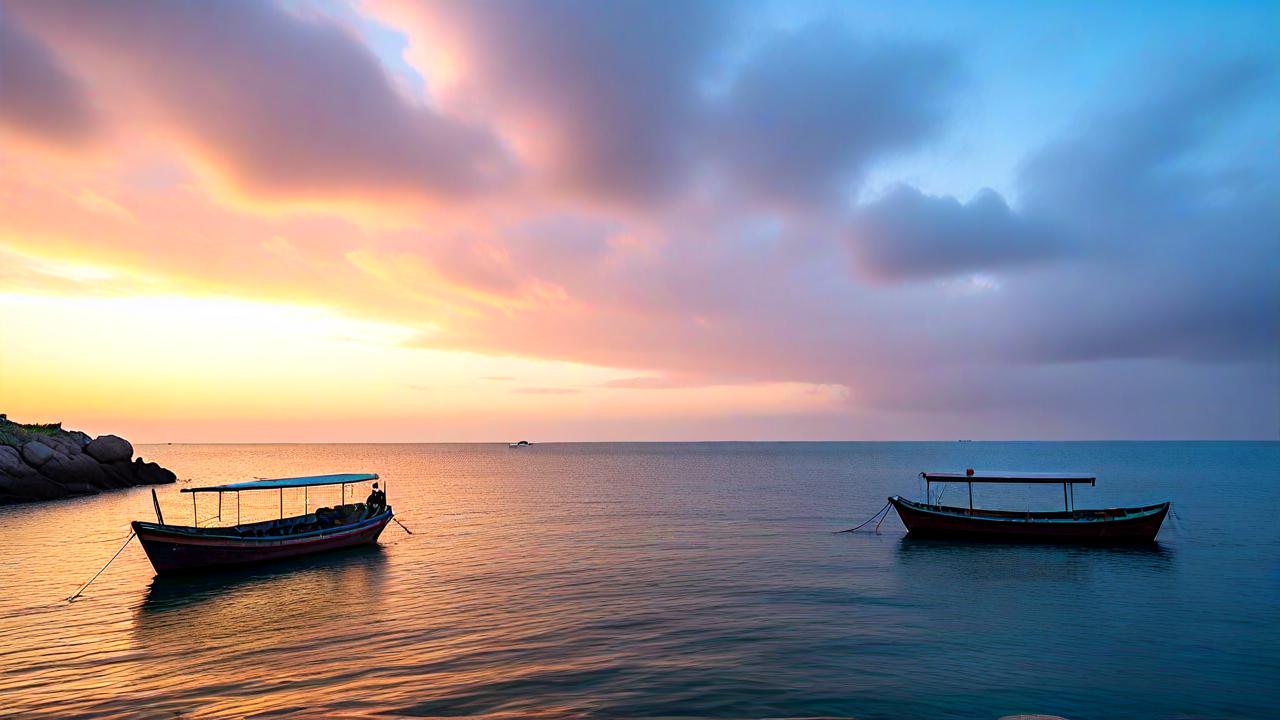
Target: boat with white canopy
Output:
[(172, 548)]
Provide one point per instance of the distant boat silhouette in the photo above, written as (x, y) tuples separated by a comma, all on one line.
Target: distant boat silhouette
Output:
[(521, 444)]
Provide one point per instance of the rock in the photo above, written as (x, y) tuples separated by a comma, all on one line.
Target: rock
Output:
[(73, 469), (62, 444), (26, 489), (42, 461), (37, 453), (118, 475), (80, 489), (149, 473), (109, 448), (11, 463)]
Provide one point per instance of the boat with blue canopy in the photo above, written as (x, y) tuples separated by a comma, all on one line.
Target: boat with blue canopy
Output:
[(176, 548), (932, 519)]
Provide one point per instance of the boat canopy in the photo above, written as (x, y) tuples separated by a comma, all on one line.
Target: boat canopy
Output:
[(1054, 478), (296, 482)]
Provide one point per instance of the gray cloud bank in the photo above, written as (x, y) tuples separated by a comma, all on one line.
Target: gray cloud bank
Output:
[(37, 94)]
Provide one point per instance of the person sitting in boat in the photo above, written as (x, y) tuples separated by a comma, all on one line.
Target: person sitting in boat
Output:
[(377, 501)]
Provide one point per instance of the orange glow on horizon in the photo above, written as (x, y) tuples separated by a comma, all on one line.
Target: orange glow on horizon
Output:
[(180, 368)]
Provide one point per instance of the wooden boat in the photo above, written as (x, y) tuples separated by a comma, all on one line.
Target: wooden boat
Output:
[(175, 548), (1070, 525)]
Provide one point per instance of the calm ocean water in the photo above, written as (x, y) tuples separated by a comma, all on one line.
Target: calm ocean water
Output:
[(639, 580)]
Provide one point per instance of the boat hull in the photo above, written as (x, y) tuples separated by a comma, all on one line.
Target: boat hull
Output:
[(173, 549), (1111, 526)]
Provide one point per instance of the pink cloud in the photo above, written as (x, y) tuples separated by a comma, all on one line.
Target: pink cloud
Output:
[(575, 86), (283, 104)]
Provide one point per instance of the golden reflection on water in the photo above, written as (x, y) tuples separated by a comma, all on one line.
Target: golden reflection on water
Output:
[(240, 606)]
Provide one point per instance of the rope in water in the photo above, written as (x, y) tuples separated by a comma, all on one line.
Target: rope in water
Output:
[(104, 567), (883, 510), (882, 517)]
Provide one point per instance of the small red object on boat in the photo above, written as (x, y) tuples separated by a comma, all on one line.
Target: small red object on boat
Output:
[(1071, 525)]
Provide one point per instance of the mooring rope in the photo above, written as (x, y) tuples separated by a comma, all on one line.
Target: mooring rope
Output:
[(882, 517), (868, 522), (104, 567)]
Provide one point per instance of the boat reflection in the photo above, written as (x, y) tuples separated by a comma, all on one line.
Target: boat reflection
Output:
[(262, 601), (908, 543), (1014, 562)]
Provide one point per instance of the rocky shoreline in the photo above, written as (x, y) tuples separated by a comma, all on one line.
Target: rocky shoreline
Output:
[(45, 462)]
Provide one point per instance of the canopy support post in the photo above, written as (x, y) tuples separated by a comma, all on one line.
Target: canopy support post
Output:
[(281, 503), (1073, 497), (344, 494), (1065, 505), (970, 498), (194, 522), (306, 501), (219, 506), (237, 507)]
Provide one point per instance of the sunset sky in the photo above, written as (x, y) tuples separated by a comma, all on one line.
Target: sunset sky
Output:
[(479, 221)]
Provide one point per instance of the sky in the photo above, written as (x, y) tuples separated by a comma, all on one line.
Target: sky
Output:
[(399, 221)]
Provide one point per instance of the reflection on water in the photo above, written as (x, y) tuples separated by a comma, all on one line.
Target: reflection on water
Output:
[(658, 580), (1088, 572), (354, 572), (1014, 563), (978, 549), (248, 609)]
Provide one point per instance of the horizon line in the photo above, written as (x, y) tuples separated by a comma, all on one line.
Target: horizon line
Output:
[(703, 442)]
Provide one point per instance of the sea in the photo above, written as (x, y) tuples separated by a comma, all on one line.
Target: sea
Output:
[(645, 580)]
